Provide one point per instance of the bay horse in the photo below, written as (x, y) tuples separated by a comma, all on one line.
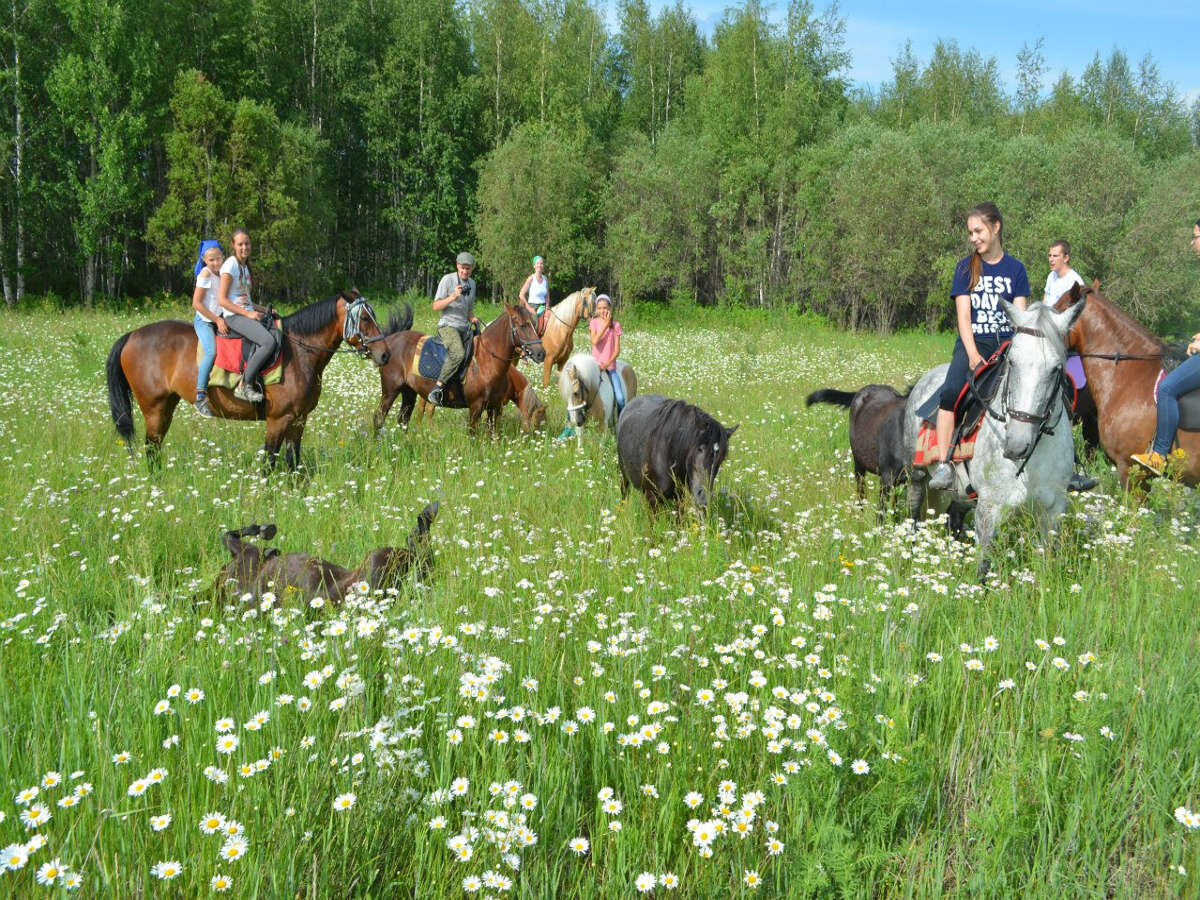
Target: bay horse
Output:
[(520, 394), (157, 365), (485, 387), (559, 336), (1025, 450), (1122, 361), (876, 435)]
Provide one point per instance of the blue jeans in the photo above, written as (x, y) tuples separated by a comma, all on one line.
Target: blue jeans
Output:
[(206, 331), (1185, 377), (618, 386)]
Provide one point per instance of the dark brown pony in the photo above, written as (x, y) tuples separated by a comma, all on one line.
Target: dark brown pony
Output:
[(157, 364), (1122, 360), (484, 387)]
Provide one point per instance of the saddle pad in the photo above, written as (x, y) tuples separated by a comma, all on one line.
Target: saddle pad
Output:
[(1189, 406), (223, 377), (433, 354), (927, 446)]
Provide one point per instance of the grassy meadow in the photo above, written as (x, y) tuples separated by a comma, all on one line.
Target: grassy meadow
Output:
[(785, 700)]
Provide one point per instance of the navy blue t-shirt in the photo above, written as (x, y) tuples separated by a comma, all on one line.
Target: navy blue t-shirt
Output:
[(1005, 279)]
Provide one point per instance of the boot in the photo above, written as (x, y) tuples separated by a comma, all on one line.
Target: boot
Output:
[(247, 393), (435, 396), (1154, 462), (943, 477), (1081, 482), (202, 406)]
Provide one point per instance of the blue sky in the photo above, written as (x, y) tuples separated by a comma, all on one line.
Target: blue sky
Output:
[(1073, 30)]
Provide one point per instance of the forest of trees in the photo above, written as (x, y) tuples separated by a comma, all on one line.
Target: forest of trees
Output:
[(366, 141)]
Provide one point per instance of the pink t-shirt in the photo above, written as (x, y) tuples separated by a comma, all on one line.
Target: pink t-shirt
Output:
[(603, 349)]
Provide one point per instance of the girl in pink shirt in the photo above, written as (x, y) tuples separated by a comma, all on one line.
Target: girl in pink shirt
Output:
[(606, 346)]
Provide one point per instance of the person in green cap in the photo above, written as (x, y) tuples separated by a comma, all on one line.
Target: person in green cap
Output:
[(455, 300)]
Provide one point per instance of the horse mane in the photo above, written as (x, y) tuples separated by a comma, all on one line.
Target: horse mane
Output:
[(685, 426), (312, 318), (1122, 327), (399, 320)]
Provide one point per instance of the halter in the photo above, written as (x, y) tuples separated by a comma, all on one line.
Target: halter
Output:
[(520, 347), (352, 326)]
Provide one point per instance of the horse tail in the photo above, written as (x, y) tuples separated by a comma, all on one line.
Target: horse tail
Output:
[(829, 395), (119, 392)]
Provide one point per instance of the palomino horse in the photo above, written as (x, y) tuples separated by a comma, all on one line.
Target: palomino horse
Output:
[(1122, 361), (561, 319), (485, 386), (157, 363), (520, 394), (588, 393), (1023, 454)]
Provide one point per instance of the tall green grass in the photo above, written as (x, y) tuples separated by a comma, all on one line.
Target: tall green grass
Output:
[(562, 596)]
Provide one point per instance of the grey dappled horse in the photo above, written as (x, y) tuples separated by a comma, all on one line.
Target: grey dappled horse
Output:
[(1025, 451)]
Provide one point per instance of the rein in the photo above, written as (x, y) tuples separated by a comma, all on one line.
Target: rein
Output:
[(520, 348), (1118, 356)]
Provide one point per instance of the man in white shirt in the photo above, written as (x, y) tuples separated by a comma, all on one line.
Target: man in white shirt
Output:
[(1058, 282)]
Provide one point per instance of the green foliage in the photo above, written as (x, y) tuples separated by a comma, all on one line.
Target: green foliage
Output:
[(537, 195)]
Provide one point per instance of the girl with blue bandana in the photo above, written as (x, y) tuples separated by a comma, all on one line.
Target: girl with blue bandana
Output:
[(207, 320)]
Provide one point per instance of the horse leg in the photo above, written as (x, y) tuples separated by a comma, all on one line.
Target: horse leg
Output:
[(158, 422), (860, 481), (476, 412), (546, 371), (276, 431), (493, 420), (886, 482), (291, 445), (408, 400), (916, 494), (987, 517), (385, 406)]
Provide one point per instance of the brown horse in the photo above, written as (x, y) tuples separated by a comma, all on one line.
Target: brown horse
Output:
[(157, 363), (520, 394), (1122, 361), (485, 386), (561, 319)]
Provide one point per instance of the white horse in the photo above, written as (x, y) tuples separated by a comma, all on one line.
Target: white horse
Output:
[(588, 392), (1024, 453)]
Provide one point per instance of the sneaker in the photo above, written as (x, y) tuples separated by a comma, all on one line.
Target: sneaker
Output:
[(435, 396), (202, 406), (1151, 461), (1081, 482), (567, 432), (249, 394), (943, 477)]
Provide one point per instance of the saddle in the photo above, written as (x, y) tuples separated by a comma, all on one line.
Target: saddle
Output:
[(431, 353), (970, 405), (232, 355)]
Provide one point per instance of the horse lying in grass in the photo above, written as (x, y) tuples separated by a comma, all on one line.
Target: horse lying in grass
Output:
[(255, 571), (876, 435), (670, 450)]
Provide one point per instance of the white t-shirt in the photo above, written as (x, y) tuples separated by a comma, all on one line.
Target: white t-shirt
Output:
[(212, 285), (1057, 285), (239, 290)]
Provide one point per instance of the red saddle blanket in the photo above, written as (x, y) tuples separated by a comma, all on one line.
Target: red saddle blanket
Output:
[(230, 358), (927, 446)]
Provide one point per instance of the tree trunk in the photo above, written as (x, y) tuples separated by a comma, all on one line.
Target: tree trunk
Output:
[(8, 294), (18, 149)]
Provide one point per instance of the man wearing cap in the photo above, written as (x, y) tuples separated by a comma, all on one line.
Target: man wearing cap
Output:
[(455, 300)]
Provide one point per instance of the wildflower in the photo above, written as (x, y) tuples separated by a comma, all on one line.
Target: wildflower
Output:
[(232, 828), (161, 708), (974, 665), (36, 816), (14, 856), (1059, 663), (614, 826), (156, 776), (212, 823), (71, 881), (645, 882), (1187, 818), (471, 884), (669, 880), (160, 823), (234, 848), (51, 779), (459, 787), (693, 799), (166, 870), (47, 873), (66, 802), (227, 743), (579, 845), (774, 846), (860, 767), (751, 879), (221, 883), (26, 796), (343, 802), (194, 695), (224, 725)]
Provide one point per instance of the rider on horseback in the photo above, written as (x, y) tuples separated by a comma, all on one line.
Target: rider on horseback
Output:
[(1183, 378), (243, 318), (455, 299)]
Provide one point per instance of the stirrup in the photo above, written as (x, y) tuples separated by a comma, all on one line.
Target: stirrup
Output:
[(435, 396), (247, 393)]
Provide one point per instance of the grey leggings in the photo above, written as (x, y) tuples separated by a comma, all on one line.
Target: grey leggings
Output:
[(264, 341)]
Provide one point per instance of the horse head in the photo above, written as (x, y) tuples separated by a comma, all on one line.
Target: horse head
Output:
[(575, 392), (524, 332), (587, 302), (360, 328), (705, 461), (533, 410), (1033, 382)]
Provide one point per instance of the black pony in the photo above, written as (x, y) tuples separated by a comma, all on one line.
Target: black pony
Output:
[(665, 446)]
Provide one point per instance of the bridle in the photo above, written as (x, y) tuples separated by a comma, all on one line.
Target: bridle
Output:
[(356, 311), (521, 348), (1056, 391)]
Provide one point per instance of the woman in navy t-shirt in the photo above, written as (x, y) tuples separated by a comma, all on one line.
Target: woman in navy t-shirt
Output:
[(981, 280)]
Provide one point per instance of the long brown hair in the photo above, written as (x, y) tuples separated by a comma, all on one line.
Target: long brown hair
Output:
[(990, 213)]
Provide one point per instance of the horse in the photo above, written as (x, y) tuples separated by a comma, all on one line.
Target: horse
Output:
[(666, 447), (559, 336), (1122, 361), (520, 394), (876, 435), (157, 365), (589, 395), (485, 386), (255, 571), (1024, 452)]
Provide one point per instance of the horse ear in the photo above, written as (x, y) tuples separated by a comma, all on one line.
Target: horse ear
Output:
[(1065, 319), (729, 431), (1009, 310)]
